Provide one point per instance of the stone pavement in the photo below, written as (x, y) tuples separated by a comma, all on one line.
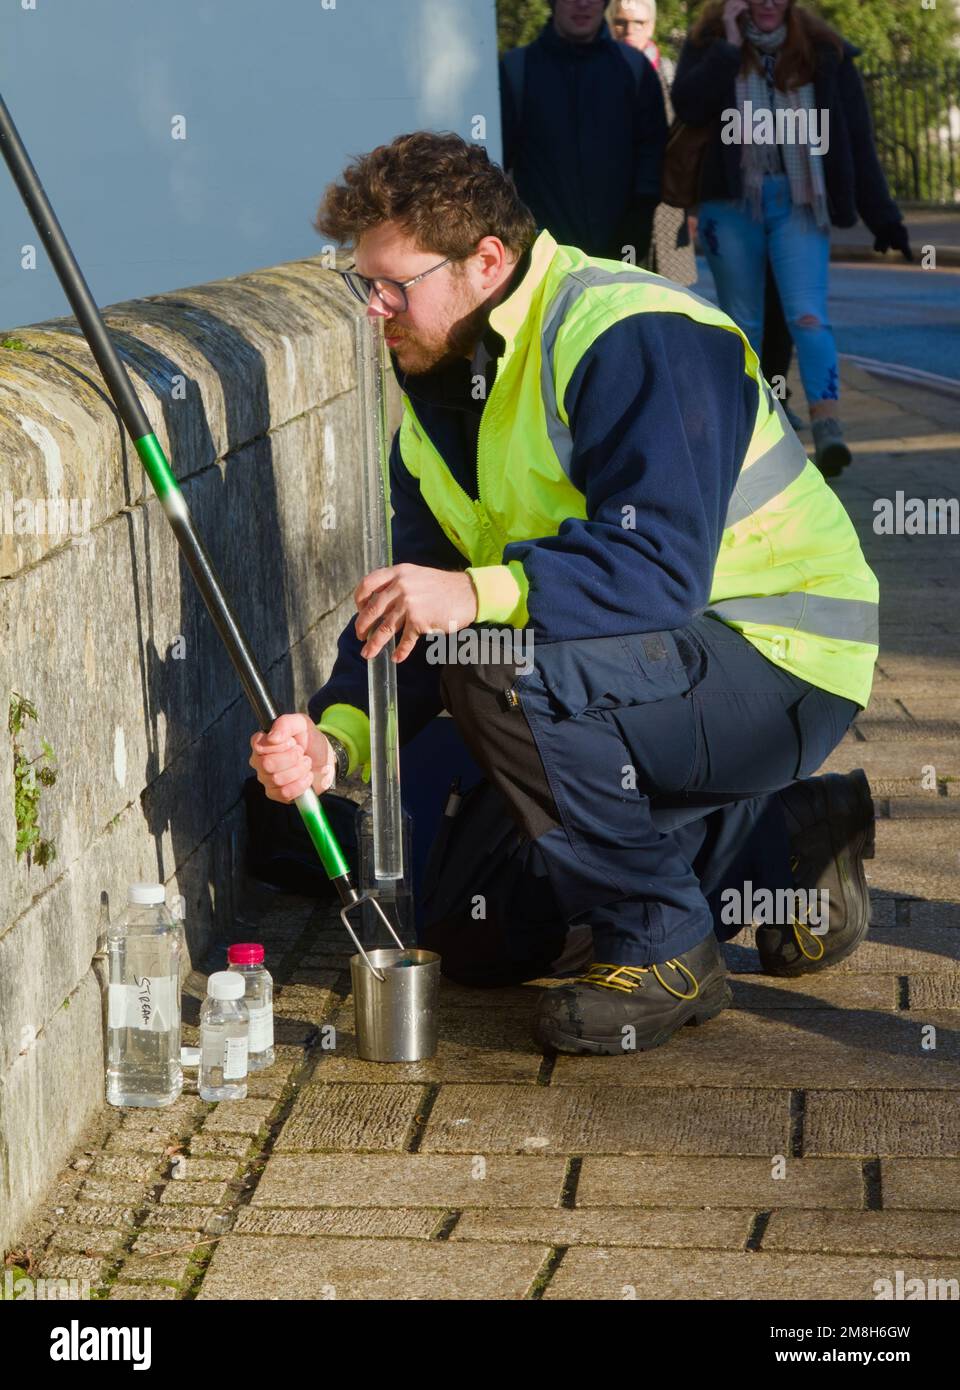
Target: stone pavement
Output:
[(802, 1145)]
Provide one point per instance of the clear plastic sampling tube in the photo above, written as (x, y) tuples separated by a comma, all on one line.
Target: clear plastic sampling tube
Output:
[(377, 554)]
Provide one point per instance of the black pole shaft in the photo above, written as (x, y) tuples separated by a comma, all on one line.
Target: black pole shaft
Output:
[(131, 411), (70, 276)]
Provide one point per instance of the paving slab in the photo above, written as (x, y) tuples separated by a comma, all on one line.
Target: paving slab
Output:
[(933, 992), (186, 1193), (305, 1000), (192, 1169), (88, 1240), (945, 705), (901, 730), (269, 1084), (142, 1293), (919, 1123), (586, 1273), (177, 1218), (924, 914), (96, 1214), (890, 951), (899, 763), (383, 1222), (239, 1117), (163, 1255), (68, 1266), (678, 1230), (136, 1167), (826, 990), (515, 997), (864, 1233), (327, 1267), (579, 1119), (913, 808), (921, 1184), (406, 1180), (788, 1048), (116, 1191), (343, 1116), (668, 1180), (472, 1045), (219, 1145)]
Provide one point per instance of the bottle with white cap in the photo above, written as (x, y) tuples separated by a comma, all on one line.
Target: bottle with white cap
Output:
[(224, 1038), (144, 950)]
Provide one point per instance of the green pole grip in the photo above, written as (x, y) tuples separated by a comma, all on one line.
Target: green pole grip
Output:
[(324, 841)]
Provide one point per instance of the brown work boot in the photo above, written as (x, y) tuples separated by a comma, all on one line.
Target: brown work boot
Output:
[(830, 820)]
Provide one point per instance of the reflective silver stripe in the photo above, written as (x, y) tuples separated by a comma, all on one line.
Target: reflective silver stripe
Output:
[(571, 288), (776, 404), (560, 436), (849, 619), (765, 479)]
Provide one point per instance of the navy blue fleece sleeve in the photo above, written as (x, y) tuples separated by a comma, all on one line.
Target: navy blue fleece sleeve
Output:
[(661, 414), (417, 539)]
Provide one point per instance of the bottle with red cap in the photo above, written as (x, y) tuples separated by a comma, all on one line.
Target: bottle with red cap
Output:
[(246, 959)]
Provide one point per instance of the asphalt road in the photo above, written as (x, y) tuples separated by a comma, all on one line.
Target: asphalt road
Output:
[(904, 316)]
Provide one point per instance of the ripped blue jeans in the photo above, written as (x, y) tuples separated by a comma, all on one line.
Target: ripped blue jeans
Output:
[(737, 247)]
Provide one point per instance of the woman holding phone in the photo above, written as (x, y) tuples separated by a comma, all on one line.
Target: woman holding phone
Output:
[(776, 196)]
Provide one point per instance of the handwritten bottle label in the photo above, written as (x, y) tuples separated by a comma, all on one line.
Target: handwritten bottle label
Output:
[(149, 1003)]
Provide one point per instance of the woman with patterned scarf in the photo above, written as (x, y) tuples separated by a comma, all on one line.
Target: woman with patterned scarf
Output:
[(793, 151)]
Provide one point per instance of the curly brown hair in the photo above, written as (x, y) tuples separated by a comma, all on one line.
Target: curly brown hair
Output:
[(797, 60), (445, 193)]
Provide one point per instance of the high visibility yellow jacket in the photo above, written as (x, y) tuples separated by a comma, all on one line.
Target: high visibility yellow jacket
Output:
[(789, 572)]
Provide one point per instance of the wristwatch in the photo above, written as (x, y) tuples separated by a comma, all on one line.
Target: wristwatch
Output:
[(341, 755)]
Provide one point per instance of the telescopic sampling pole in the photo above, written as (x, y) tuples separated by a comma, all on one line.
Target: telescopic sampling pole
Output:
[(377, 554), (165, 485)]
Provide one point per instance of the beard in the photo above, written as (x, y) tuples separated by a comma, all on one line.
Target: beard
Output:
[(459, 341)]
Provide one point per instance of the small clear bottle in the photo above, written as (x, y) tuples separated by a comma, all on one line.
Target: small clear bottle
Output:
[(246, 959), (144, 950), (224, 1030)]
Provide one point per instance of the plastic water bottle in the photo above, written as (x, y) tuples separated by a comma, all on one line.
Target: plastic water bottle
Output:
[(246, 959), (224, 1029), (143, 1001)]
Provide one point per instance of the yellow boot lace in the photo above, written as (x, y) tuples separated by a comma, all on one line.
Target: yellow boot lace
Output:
[(801, 930), (627, 978)]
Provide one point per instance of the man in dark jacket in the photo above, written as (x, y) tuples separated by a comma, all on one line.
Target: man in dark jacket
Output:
[(584, 129), (646, 742)]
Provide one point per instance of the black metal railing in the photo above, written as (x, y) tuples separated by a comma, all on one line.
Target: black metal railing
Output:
[(916, 116)]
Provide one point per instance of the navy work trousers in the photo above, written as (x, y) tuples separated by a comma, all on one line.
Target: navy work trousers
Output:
[(644, 769)]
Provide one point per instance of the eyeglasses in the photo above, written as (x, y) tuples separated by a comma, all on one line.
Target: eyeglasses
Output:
[(391, 293)]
